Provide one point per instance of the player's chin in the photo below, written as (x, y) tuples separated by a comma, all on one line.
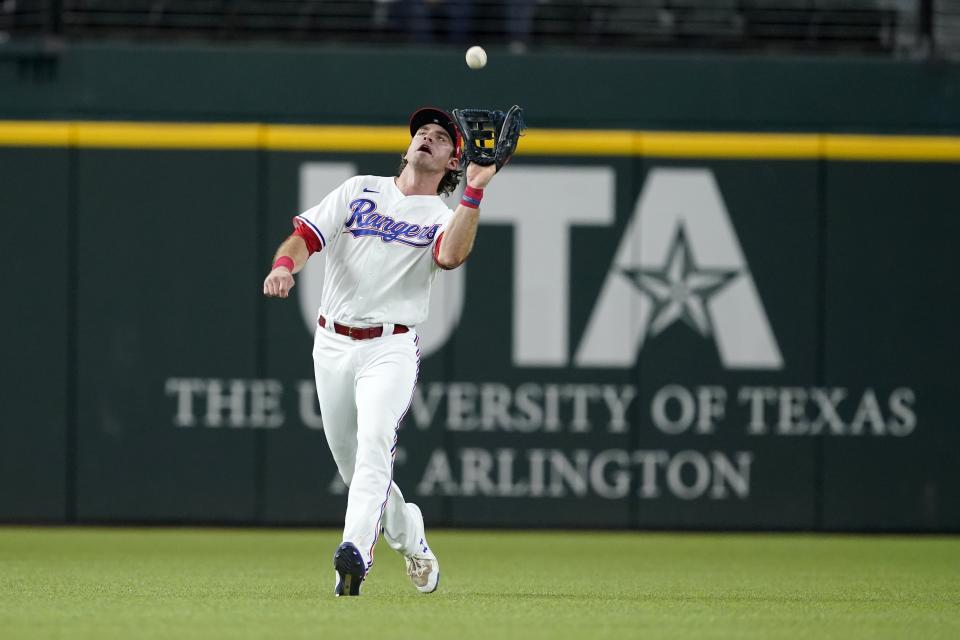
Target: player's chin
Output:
[(423, 161)]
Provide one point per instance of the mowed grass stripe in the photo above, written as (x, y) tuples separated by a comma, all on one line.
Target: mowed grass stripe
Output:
[(183, 583)]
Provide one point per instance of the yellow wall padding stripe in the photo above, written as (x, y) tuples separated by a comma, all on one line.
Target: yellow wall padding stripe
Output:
[(917, 148), (731, 145), (578, 142), (23, 133), (537, 142), (288, 137), (167, 135)]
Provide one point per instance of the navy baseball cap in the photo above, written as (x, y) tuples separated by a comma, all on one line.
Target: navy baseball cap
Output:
[(427, 115)]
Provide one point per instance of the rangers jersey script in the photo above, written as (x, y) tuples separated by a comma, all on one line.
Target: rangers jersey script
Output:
[(380, 247)]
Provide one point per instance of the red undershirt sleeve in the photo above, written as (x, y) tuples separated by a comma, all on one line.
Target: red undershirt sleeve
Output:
[(308, 235), (436, 252)]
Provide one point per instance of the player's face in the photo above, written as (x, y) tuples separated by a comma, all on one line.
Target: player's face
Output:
[(431, 149)]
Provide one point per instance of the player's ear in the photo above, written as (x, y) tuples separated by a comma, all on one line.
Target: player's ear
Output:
[(453, 163)]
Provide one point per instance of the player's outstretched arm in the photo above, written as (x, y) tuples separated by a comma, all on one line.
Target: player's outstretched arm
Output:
[(461, 231), (280, 281)]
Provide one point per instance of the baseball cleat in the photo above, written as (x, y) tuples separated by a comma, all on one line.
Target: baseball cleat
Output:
[(424, 572), (423, 566), (349, 565)]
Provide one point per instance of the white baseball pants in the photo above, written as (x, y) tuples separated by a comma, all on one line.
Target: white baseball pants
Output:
[(365, 388)]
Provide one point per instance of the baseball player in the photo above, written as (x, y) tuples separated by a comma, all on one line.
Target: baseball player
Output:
[(385, 240)]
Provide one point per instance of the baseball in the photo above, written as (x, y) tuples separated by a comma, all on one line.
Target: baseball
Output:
[(476, 57)]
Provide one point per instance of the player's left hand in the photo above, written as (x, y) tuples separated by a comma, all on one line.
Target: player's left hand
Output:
[(479, 176)]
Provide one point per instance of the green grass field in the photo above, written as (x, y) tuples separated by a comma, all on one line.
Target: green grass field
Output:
[(187, 583)]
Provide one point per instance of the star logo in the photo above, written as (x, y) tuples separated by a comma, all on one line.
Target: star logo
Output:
[(680, 291)]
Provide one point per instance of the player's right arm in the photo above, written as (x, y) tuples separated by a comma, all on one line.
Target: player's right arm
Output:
[(311, 230), (280, 280)]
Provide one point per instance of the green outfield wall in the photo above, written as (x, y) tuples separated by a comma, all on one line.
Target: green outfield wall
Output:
[(709, 292)]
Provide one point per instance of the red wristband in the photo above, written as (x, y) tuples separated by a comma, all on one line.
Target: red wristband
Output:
[(284, 261), (472, 197)]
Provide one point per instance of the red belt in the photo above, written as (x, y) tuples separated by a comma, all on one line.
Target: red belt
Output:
[(361, 333)]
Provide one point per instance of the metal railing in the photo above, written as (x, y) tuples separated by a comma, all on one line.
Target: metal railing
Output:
[(912, 27)]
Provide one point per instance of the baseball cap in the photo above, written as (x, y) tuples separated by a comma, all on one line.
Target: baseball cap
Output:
[(426, 115)]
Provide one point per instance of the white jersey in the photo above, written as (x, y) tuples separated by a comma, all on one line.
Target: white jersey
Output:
[(379, 247)]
